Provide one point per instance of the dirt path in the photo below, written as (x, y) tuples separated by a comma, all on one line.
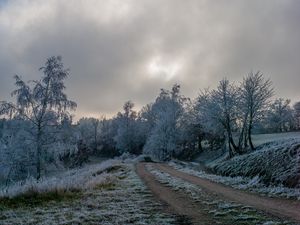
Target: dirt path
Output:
[(278, 207), (176, 202)]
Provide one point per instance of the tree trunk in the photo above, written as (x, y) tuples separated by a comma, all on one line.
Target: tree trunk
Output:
[(233, 144), (230, 149), (8, 176), (95, 139), (243, 135), (245, 140), (230, 139), (229, 133), (200, 148), (249, 136), (38, 153), (241, 138)]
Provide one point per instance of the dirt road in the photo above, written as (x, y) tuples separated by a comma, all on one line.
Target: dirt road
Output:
[(176, 202), (286, 209)]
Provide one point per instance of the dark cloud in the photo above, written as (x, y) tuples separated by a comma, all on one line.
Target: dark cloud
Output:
[(120, 50)]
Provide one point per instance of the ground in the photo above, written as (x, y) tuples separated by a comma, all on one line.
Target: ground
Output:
[(151, 193), (206, 202), (123, 200), (259, 139)]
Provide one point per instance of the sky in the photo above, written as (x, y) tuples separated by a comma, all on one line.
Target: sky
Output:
[(129, 49)]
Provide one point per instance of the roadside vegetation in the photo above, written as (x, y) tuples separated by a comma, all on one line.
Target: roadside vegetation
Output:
[(106, 193)]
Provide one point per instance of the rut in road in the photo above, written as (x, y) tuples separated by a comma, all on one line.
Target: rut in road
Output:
[(181, 204)]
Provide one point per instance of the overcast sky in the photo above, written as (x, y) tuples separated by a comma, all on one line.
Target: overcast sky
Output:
[(129, 49)]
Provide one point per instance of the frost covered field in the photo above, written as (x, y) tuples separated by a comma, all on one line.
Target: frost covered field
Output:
[(259, 139), (108, 193)]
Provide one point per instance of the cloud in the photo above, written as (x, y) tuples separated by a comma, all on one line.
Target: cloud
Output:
[(111, 46)]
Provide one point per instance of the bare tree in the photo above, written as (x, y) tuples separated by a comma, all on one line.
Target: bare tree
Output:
[(224, 103), (42, 102), (255, 97)]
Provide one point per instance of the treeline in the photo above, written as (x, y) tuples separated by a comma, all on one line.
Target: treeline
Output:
[(176, 126), (37, 133)]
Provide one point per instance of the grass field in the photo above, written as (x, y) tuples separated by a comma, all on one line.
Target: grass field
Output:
[(259, 139)]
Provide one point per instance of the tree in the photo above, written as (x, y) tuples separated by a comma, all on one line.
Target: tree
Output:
[(191, 132), (41, 102), (206, 121), (95, 123), (15, 150), (231, 111), (297, 113), (255, 97), (108, 132), (280, 116), (217, 109), (225, 99), (126, 138), (166, 110), (89, 129)]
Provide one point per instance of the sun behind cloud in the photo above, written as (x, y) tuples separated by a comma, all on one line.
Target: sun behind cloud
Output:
[(158, 67)]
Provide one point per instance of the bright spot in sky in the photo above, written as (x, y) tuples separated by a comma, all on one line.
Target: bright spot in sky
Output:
[(159, 68)]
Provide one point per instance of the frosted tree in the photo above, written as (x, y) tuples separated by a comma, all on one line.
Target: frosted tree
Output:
[(89, 130), (217, 111), (43, 103), (297, 113), (164, 135), (95, 123), (280, 116), (108, 131), (148, 117), (255, 98), (126, 139), (191, 132), (66, 140), (206, 119), (16, 152), (224, 101)]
